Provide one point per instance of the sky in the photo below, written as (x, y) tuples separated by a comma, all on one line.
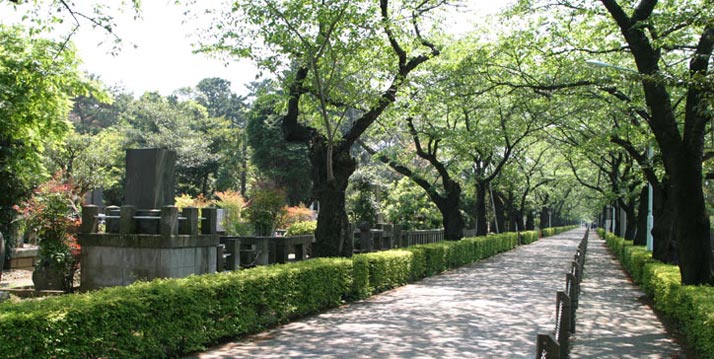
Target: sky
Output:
[(157, 53)]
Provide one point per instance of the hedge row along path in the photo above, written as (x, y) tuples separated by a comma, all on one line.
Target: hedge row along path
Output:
[(612, 320), (490, 309)]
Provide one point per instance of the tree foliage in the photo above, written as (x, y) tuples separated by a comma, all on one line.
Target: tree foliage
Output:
[(37, 80)]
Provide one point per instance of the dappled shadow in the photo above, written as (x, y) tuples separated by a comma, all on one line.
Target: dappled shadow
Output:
[(491, 309), (611, 321)]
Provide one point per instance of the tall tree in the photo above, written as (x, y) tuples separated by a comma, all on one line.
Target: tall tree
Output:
[(283, 163), (671, 47), (327, 47), (445, 190), (38, 78)]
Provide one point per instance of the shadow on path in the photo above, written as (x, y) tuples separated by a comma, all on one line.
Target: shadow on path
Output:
[(490, 309), (611, 320)]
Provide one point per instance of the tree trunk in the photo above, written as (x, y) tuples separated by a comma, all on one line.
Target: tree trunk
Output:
[(332, 234), (500, 214), (544, 218), (244, 169), (631, 223), (692, 222), (451, 214), (618, 222), (530, 221), (641, 233), (480, 209), (663, 227)]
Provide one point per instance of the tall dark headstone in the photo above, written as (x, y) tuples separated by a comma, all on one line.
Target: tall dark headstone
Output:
[(150, 177)]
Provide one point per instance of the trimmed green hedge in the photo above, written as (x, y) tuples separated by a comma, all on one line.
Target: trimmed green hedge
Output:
[(171, 317), (692, 307), (379, 271), (547, 232)]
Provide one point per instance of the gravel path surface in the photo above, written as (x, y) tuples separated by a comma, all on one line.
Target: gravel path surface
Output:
[(12, 278), (490, 309), (612, 320)]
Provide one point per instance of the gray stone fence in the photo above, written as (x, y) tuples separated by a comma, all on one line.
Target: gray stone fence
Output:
[(389, 236), (255, 250)]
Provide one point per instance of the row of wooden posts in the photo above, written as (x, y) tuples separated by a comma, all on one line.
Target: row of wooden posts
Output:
[(556, 344)]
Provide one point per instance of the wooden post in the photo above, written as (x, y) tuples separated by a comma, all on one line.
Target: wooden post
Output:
[(572, 293), (547, 346), (564, 324)]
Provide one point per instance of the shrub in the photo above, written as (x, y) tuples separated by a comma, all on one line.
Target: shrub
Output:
[(53, 214), (298, 228), (234, 205), (692, 307), (185, 200), (171, 316), (299, 213), (267, 210), (387, 269), (528, 237)]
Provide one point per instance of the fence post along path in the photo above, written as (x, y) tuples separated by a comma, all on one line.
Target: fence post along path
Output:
[(556, 344)]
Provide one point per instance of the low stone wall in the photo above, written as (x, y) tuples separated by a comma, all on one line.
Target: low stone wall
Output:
[(23, 258), (121, 259)]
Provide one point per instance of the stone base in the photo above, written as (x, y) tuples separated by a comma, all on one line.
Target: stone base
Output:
[(23, 258), (121, 259)]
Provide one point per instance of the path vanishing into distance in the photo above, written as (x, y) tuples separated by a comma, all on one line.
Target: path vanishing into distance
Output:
[(490, 309)]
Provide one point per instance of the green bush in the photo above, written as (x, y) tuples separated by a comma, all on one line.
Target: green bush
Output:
[(692, 307), (528, 237), (171, 317), (387, 269), (302, 227)]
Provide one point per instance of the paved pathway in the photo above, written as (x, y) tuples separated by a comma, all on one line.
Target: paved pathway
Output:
[(612, 322), (490, 309)]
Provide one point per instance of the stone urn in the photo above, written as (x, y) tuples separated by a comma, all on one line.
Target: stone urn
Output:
[(46, 277)]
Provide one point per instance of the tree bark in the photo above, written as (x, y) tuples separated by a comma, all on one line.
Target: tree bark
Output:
[(332, 237), (450, 210), (544, 218), (530, 222), (641, 233), (480, 209), (500, 214), (663, 227), (692, 223)]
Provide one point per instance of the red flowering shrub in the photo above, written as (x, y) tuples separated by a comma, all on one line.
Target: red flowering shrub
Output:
[(299, 213), (52, 213)]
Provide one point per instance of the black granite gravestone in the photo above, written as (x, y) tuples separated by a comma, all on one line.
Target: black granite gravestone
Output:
[(150, 177)]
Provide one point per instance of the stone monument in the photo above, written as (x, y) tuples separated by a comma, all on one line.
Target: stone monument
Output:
[(146, 238)]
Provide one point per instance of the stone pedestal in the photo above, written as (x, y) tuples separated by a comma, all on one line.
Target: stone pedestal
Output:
[(121, 259), (173, 248)]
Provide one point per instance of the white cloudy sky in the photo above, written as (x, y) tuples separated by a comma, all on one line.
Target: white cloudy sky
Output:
[(163, 60)]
